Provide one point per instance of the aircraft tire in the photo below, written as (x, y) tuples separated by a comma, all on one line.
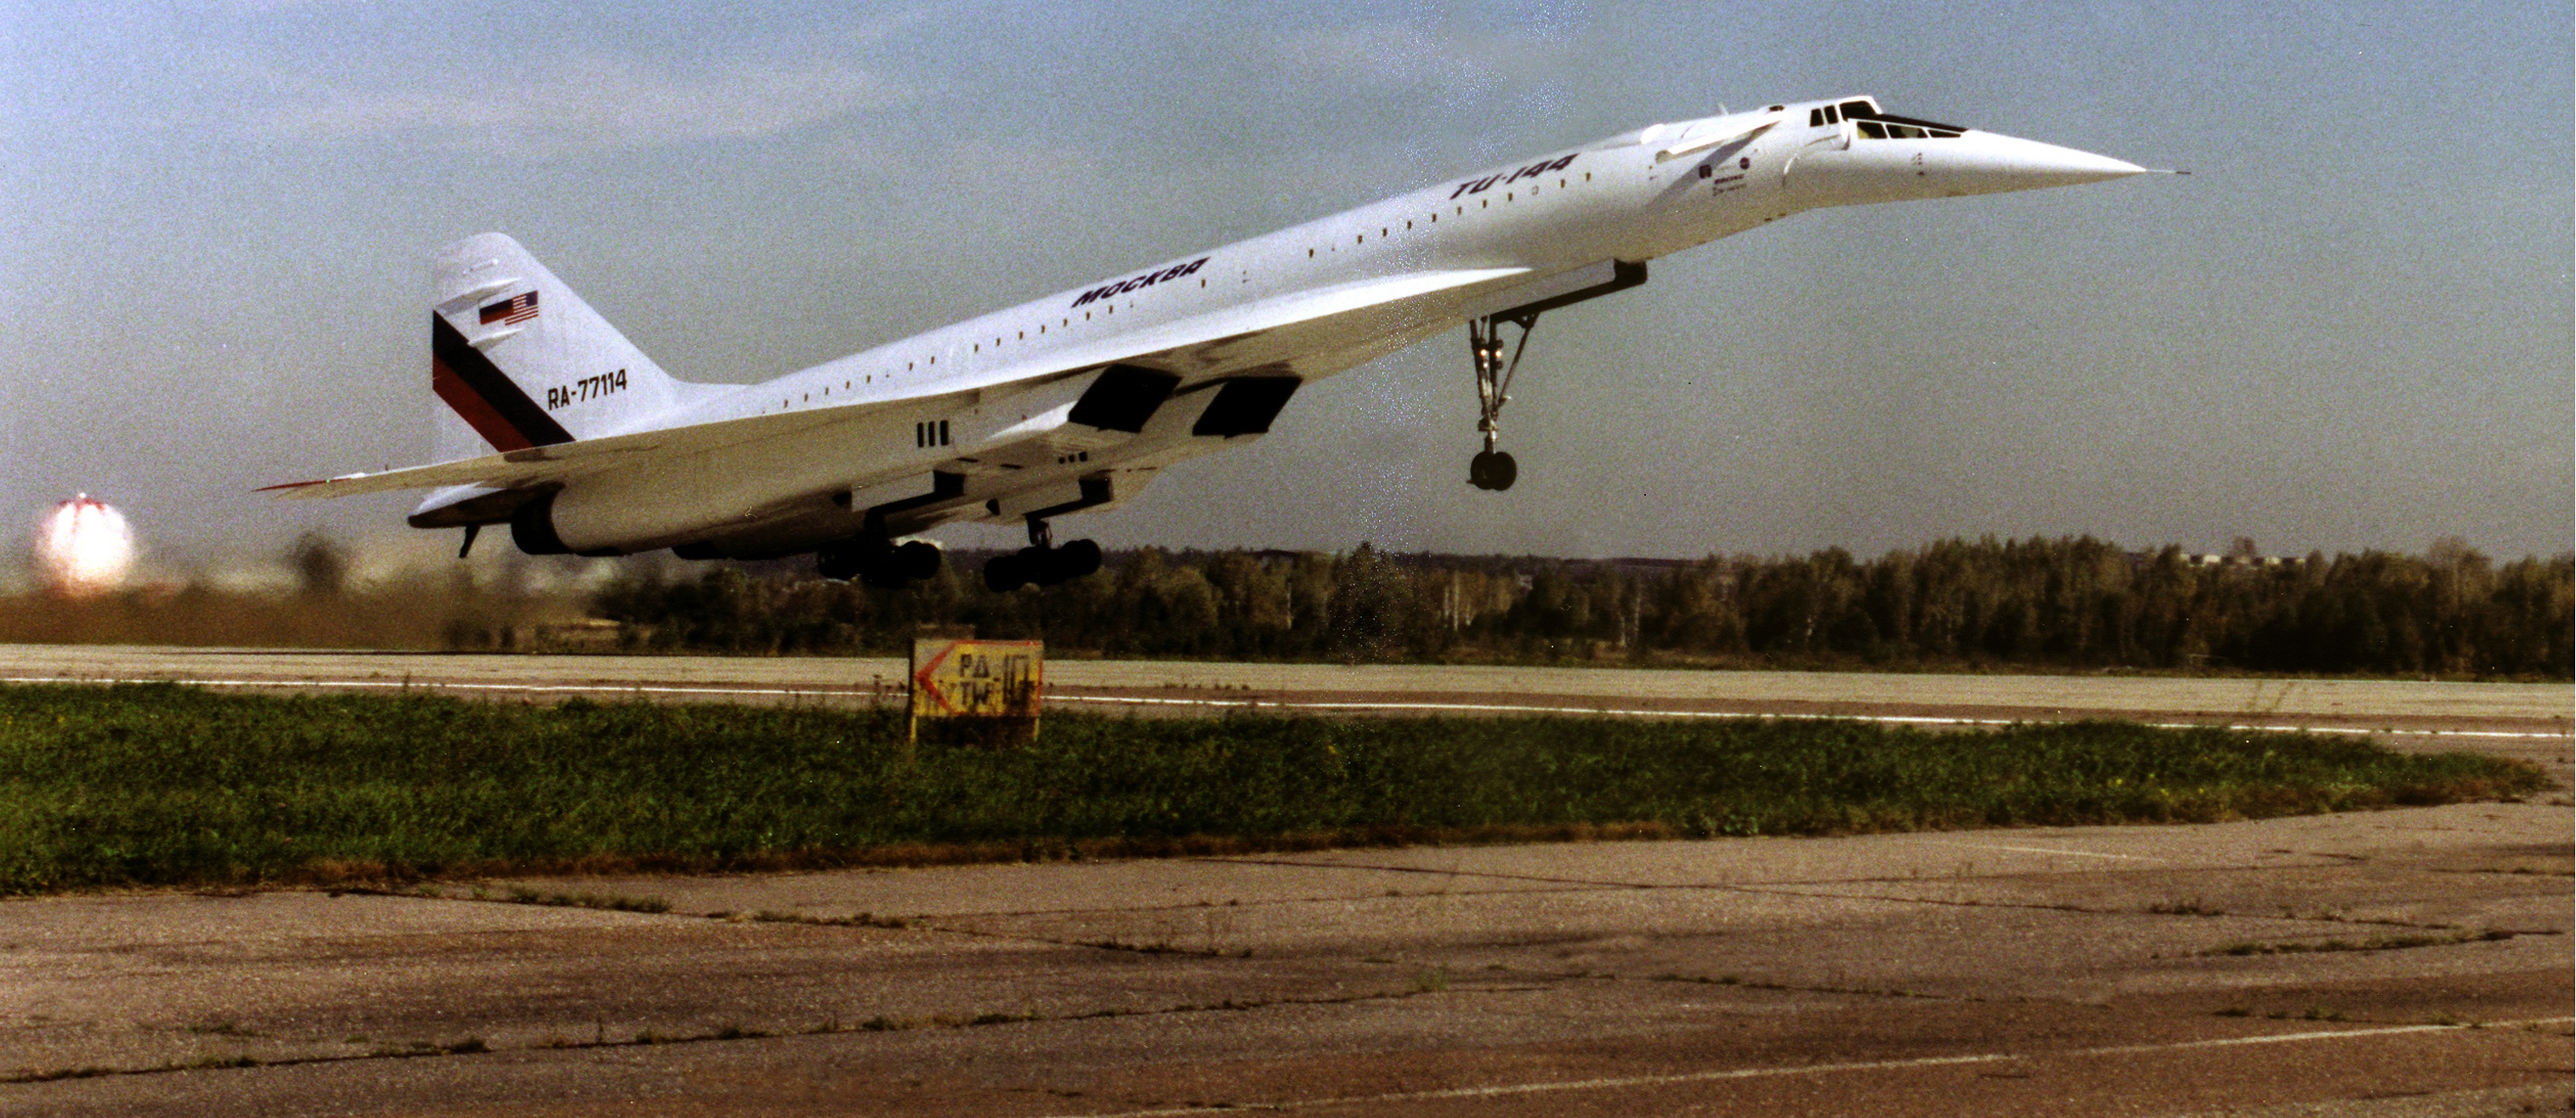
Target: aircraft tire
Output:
[(837, 564), (1480, 470), (1501, 472), (1004, 573), (915, 561), (1076, 559), (1044, 566)]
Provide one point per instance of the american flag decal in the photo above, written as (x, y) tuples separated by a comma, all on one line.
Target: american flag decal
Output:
[(516, 308)]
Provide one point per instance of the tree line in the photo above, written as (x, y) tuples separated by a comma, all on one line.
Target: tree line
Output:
[(2070, 603)]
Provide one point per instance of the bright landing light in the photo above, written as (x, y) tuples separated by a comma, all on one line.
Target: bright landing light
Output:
[(84, 547)]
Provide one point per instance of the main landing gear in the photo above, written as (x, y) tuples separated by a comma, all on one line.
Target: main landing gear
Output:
[(873, 559), (1041, 563), (1490, 468)]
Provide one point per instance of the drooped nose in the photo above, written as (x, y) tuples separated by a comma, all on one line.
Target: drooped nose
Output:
[(1983, 162)]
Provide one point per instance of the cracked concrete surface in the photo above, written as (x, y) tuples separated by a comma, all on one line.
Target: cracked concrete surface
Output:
[(2037, 971), (2022, 971)]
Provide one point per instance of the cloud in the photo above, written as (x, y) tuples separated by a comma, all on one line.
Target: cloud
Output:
[(578, 105)]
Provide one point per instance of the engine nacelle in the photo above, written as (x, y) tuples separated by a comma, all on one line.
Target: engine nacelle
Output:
[(601, 520), (532, 527)]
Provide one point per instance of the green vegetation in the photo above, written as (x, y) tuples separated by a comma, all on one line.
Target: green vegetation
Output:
[(2066, 603), (2014, 605), (168, 785)]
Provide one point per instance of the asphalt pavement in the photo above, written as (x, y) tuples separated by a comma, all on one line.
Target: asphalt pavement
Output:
[(2410, 961), (2404, 962)]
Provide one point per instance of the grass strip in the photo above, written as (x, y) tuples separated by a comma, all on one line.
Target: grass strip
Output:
[(160, 784)]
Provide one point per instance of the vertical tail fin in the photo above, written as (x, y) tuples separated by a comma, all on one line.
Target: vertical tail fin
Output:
[(521, 361)]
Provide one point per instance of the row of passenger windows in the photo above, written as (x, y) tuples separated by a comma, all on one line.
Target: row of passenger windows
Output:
[(1383, 232), (1020, 335), (976, 347), (1460, 210), (1110, 308), (918, 364), (1106, 308)]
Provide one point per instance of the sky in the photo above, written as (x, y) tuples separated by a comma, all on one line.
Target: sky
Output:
[(2351, 327)]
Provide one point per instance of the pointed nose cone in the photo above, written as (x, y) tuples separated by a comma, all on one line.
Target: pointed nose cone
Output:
[(1996, 162)]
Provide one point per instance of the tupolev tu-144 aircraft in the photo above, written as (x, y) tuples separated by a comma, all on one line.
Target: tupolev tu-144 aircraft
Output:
[(1073, 402)]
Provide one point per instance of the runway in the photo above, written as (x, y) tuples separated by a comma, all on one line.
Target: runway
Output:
[(2392, 963), (2538, 715), (2403, 962)]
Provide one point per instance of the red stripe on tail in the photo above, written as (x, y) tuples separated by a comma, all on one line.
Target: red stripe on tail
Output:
[(477, 412)]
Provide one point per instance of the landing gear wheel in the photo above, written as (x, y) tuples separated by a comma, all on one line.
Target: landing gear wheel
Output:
[(1492, 469), (1042, 566), (915, 561), (1005, 573), (875, 562), (1076, 559), (1036, 564), (840, 564)]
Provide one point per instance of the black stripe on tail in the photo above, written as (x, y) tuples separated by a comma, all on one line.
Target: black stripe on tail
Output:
[(487, 399)]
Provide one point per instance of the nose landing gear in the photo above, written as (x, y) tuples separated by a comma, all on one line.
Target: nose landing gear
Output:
[(1041, 563), (1493, 469), (1496, 361)]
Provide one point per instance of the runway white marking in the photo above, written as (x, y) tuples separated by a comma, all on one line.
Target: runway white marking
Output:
[(1508, 1089), (434, 685), (1256, 704), (1896, 719), (2045, 850)]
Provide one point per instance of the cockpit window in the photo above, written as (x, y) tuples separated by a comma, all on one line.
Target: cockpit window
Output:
[(1875, 125), (1888, 126)]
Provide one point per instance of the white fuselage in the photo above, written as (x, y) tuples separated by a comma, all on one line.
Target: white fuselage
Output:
[(986, 399)]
